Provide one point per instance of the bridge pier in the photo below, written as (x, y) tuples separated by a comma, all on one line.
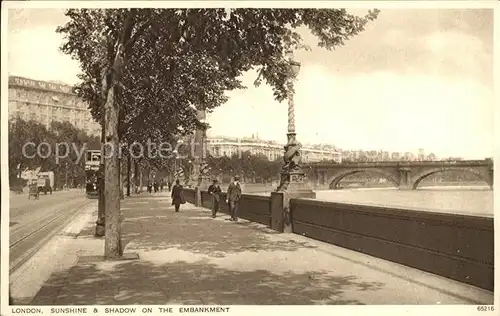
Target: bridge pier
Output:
[(317, 181), (491, 178), (405, 179)]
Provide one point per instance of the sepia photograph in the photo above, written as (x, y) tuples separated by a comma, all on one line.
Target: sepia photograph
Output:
[(170, 158)]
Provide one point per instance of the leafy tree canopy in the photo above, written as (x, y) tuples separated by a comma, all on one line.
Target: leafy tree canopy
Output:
[(22, 133), (179, 60)]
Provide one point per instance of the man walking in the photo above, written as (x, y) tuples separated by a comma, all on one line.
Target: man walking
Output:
[(177, 195), (214, 190), (233, 198)]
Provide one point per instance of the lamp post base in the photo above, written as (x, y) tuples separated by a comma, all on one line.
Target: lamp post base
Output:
[(203, 182), (293, 185), (293, 181)]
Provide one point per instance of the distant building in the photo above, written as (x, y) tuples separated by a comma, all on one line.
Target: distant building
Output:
[(421, 154), (223, 146), (48, 102)]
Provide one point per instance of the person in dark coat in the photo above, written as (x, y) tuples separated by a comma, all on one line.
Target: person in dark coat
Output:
[(155, 186), (177, 196), (162, 184), (233, 198), (149, 187), (214, 190)]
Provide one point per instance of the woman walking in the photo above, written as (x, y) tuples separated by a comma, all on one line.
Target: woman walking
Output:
[(177, 195)]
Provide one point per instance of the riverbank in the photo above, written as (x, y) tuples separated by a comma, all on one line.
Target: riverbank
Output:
[(267, 187)]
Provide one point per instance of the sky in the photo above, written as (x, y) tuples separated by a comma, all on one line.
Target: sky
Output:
[(415, 78)]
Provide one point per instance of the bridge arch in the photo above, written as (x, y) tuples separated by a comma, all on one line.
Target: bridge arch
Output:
[(419, 178), (335, 180)]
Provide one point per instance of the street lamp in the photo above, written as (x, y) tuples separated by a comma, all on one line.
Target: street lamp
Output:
[(203, 177), (188, 177), (177, 157), (292, 178)]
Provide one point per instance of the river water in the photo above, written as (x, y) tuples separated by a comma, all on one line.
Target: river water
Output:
[(470, 200), (474, 200)]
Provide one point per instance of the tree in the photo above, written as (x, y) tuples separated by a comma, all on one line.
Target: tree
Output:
[(26, 136), (23, 133), (142, 67), (256, 167)]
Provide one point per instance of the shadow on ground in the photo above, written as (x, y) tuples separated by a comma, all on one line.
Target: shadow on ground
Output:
[(142, 282), (145, 228)]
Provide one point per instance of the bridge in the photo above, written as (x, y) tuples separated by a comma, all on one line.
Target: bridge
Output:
[(404, 175)]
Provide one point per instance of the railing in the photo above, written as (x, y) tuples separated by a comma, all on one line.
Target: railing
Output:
[(455, 246), (255, 208), (459, 247)]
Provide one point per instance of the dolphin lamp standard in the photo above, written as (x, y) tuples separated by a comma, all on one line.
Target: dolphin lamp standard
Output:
[(292, 176)]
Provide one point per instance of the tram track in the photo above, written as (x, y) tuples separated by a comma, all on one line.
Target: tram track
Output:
[(27, 239)]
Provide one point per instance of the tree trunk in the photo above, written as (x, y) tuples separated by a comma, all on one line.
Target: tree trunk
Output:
[(112, 248), (129, 167), (101, 183), (141, 180), (121, 179), (136, 176)]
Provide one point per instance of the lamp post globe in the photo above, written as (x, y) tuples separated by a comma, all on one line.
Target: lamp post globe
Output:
[(295, 67)]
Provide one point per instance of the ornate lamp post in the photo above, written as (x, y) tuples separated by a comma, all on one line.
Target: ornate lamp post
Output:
[(203, 176), (177, 157), (292, 178)]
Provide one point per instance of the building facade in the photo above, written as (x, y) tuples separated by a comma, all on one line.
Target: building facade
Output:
[(48, 102), (222, 146)]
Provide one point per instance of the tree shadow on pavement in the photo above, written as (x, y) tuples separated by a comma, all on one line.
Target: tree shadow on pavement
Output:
[(200, 282), (156, 227)]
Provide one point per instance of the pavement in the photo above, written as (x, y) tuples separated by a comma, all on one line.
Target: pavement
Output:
[(190, 258)]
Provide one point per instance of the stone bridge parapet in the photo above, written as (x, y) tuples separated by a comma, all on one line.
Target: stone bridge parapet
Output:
[(404, 175)]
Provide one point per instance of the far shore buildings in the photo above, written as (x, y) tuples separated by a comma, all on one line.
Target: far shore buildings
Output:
[(225, 146), (47, 102)]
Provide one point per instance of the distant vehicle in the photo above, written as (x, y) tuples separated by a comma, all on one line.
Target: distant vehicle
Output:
[(45, 182), (33, 190), (92, 163)]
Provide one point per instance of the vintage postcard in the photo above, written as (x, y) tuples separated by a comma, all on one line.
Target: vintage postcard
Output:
[(241, 157)]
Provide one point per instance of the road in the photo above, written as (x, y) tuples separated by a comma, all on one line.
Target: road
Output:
[(34, 222)]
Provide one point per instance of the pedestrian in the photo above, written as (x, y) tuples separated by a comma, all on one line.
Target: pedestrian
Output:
[(155, 186), (149, 187), (177, 195), (162, 184), (233, 197), (169, 184), (214, 190)]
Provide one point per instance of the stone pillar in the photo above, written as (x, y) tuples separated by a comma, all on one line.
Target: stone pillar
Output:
[(281, 213), (278, 214), (491, 178), (405, 179), (197, 195), (317, 182)]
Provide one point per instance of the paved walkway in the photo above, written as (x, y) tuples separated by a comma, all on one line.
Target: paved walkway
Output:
[(190, 258)]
